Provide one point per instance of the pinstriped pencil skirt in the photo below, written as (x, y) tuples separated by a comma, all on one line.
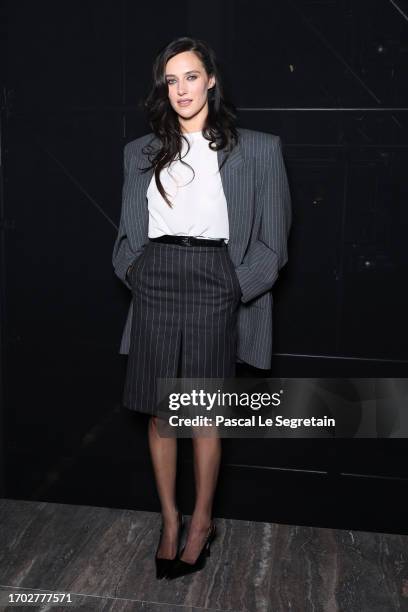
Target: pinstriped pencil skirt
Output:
[(184, 324)]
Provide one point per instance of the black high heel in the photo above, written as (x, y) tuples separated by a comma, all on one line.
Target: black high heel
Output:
[(182, 568), (163, 565)]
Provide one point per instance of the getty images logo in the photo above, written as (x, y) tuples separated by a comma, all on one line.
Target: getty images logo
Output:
[(206, 400)]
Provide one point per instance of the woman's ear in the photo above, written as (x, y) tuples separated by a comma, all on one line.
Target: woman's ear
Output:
[(211, 82)]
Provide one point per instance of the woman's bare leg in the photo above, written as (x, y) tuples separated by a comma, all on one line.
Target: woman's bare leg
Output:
[(207, 457), (163, 452)]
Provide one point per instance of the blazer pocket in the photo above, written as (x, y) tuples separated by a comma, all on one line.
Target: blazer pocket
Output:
[(234, 274), (134, 265)]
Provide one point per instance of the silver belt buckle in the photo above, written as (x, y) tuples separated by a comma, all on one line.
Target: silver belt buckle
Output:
[(186, 240)]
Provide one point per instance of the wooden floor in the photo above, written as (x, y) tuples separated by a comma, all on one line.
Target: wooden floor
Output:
[(104, 558)]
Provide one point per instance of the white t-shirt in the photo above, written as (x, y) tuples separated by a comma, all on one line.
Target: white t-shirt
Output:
[(199, 204)]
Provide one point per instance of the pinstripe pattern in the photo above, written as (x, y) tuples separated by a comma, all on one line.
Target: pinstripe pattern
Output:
[(259, 212), (185, 302)]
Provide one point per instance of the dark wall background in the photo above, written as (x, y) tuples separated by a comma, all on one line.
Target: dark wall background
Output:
[(329, 77)]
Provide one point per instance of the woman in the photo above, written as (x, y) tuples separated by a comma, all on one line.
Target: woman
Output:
[(202, 236)]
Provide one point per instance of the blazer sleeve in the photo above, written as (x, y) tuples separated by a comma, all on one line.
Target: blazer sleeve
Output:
[(125, 252), (268, 253)]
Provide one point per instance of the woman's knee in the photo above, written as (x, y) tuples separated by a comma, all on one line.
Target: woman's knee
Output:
[(155, 422)]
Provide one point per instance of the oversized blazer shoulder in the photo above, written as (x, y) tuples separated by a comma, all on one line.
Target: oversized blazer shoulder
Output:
[(259, 210)]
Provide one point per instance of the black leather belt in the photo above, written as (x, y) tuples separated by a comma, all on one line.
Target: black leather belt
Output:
[(189, 240)]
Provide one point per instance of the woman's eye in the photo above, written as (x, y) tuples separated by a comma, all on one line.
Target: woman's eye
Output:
[(191, 76)]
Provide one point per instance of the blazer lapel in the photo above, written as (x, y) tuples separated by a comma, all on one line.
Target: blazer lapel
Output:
[(230, 177)]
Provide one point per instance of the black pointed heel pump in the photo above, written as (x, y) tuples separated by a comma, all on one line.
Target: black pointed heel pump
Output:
[(163, 565), (182, 568)]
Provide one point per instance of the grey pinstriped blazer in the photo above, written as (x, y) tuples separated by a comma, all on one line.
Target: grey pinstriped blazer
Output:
[(259, 211)]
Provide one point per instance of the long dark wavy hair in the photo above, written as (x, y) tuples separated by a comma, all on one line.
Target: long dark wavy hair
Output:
[(219, 127)]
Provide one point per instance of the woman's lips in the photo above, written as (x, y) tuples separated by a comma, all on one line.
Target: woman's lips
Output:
[(184, 102)]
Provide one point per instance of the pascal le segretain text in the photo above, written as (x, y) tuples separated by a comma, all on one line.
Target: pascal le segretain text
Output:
[(252, 421)]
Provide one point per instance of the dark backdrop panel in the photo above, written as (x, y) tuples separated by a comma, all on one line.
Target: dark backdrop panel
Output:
[(375, 260), (305, 319), (64, 53), (63, 324)]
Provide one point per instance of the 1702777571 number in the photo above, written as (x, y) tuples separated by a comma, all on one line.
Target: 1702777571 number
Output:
[(27, 597)]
